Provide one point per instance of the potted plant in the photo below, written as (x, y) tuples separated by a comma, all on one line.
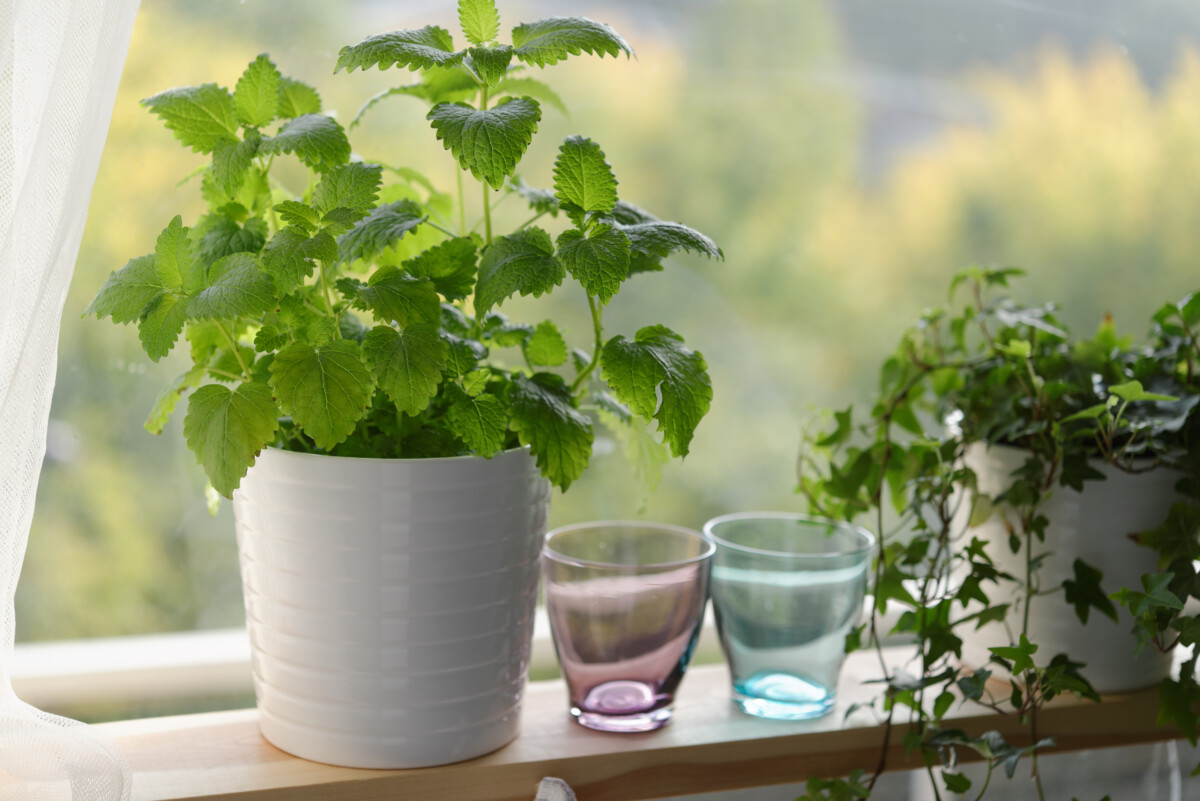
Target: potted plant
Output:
[(400, 432), (999, 462)]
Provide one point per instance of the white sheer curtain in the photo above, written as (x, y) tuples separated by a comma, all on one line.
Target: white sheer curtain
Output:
[(60, 62)]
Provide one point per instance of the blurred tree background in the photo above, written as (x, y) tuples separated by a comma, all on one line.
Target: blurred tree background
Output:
[(848, 159)]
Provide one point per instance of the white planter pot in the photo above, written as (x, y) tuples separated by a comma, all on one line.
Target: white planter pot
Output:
[(390, 603), (1092, 525)]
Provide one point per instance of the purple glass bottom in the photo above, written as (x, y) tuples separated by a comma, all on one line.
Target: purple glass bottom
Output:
[(623, 706)]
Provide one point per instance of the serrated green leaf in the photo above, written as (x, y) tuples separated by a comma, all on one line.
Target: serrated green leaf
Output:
[(393, 295), (437, 85), (489, 63), (288, 257), (161, 323), (549, 41), (297, 98), (293, 212), (489, 143), (256, 96), (382, 228), (523, 262), (476, 381), (227, 429), (662, 238), (128, 291), (199, 116), (165, 403), (223, 236), (231, 162), (338, 221), (546, 348), (306, 323), (326, 389), (407, 364), (316, 139), (464, 354), (173, 256), (431, 46), (645, 454), (599, 260), (582, 177), (353, 186), (479, 20), (269, 338), (451, 266), (236, 287), (544, 416), (532, 87), (480, 421), (657, 363), (505, 333)]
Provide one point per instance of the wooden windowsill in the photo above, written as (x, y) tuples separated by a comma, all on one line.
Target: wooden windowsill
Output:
[(710, 746)]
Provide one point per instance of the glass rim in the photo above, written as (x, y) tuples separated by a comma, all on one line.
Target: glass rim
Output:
[(867, 544), (550, 553)]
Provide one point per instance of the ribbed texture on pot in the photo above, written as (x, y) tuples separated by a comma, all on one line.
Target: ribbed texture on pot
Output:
[(390, 603)]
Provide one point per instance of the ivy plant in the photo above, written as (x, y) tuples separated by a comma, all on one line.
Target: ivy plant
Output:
[(361, 316)]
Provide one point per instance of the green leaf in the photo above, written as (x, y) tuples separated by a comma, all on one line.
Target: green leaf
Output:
[(236, 287), (393, 295), (463, 356), (1133, 391), (662, 238), (128, 291), (407, 364), (1085, 592), (523, 262), (297, 98), (165, 403), (325, 389), (546, 348), (479, 20), (549, 41), (382, 228), (223, 237), (489, 143), (431, 46), (542, 201), (489, 63), (1155, 597), (582, 177), (316, 140), (645, 454), (199, 116), (231, 162), (304, 217), (338, 221), (173, 256), (353, 186), (1020, 655), (599, 260), (227, 429), (256, 96), (532, 87), (956, 782), (451, 266), (161, 323), (545, 418), (437, 85), (1178, 700), (656, 363), (481, 421), (288, 257), (1176, 537)]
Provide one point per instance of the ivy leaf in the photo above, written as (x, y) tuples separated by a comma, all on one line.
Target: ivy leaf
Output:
[(599, 261), (236, 287), (297, 98), (1020, 655), (546, 347), (393, 295), (226, 429), (165, 403), (325, 389), (300, 215), (382, 228), (231, 162), (1178, 700), (451, 266), (489, 143), (489, 63), (316, 140), (161, 323), (545, 418), (1133, 391), (479, 20), (1084, 592), (481, 421), (532, 87), (1176, 537), (128, 291), (407, 364), (656, 363), (523, 262), (431, 46), (256, 96), (1155, 597), (956, 782), (353, 186), (199, 116), (582, 177), (173, 256), (288, 257), (549, 41)]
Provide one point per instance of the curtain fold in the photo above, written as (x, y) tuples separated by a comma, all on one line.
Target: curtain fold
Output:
[(60, 63)]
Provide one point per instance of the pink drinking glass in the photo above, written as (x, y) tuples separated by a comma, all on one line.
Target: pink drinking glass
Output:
[(625, 601)]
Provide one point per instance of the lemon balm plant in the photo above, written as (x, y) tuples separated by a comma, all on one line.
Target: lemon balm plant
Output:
[(310, 328)]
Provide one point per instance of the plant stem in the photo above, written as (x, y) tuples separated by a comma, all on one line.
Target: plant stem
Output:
[(236, 350), (531, 221), (987, 779), (325, 290), (435, 226), (462, 208), (487, 206), (224, 374), (598, 330)]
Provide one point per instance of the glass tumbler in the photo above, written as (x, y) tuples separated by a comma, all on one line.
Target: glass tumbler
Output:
[(625, 602), (786, 590)]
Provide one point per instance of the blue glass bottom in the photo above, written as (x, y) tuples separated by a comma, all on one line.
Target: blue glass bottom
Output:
[(782, 696)]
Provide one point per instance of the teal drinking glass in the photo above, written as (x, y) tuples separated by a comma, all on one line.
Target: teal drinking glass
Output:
[(786, 590)]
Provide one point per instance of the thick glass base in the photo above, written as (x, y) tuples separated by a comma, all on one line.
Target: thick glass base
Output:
[(623, 706), (782, 696)]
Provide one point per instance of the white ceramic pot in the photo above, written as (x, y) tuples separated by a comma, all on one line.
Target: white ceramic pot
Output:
[(1093, 525), (390, 603)]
